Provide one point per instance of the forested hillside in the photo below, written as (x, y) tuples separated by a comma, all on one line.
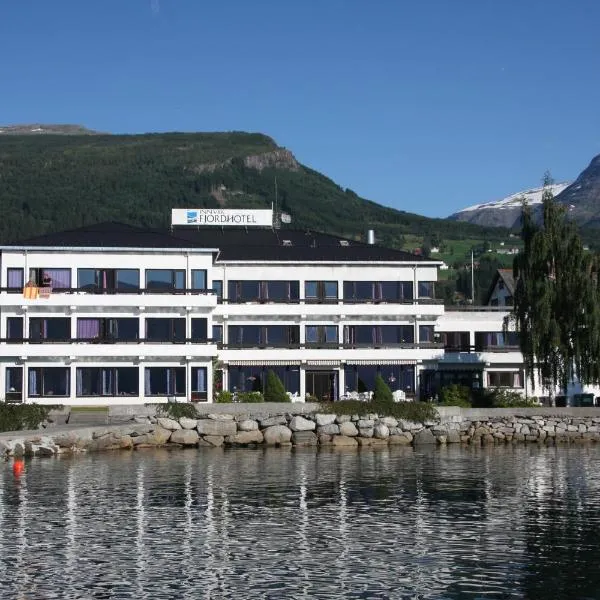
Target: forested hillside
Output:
[(53, 182)]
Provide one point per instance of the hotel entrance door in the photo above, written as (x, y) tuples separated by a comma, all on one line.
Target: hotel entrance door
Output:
[(322, 385)]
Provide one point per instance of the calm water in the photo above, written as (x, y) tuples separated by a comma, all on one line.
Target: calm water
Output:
[(396, 523)]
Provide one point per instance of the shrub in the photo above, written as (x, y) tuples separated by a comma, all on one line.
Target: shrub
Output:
[(274, 389), (16, 417), (382, 392), (224, 397), (455, 395), (510, 399), (176, 410), (250, 397), (418, 412)]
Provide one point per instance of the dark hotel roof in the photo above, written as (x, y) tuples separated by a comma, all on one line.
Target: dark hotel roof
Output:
[(233, 244)]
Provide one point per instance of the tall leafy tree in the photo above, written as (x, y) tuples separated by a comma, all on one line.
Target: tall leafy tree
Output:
[(556, 299)]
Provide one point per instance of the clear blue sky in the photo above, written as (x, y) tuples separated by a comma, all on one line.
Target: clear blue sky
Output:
[(424, 105)]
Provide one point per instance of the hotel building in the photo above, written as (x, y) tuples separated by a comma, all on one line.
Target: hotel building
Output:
[(116, 314)]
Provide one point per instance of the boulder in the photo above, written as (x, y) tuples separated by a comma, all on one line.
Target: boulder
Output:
[(371, 442), (220, 417), (365, 423), (349, 429), (157, 437), (343, 419), (324, 439), (301, 424), (185, 437), (366, 432), (213, 440), (243, 438), (170, 424), (304, 438), (389, 421), (425, 436), (381, 432), (400, 440), (343, 441), (453, 437), (112, 441), (248, 425), (216, 427), (331, 429), (270, 421), (188, 423), (323, 419), (277, 434)]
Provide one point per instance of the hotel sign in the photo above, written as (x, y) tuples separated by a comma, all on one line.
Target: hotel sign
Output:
[(221, 217)]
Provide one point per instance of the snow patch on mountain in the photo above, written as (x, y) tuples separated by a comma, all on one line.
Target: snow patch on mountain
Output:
[(533, 196)]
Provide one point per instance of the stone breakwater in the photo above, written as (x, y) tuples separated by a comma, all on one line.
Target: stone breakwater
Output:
[(318, 429)]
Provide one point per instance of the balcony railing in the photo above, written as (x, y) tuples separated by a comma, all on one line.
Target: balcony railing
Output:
[(331, 301), (114, 291), (481, 348)]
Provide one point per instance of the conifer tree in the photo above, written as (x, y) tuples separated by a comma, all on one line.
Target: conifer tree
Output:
[(382, 392), (556, 310), (274, 389)]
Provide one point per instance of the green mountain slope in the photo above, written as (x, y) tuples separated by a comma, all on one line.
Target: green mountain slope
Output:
[(55, 182)]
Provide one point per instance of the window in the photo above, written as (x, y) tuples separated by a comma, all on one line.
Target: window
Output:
[(362, 378), (165, 279), (107, 381), (199, 329), (14, 384), (57, 279), (217, 286), (500, 284), (198, 279), (165, 330), (426, 289), (496, 339), (253, 378), (426, 333), (106, 330), (164, 381), (14, 328), (111, 280), (48, 382), (510, 379), (51, 329), (264, 335), (321, 335), (14, 279), (378, 291), (457, 341), (263, 291), (217, 333), (199, 384), (321, 291), (378, 335)]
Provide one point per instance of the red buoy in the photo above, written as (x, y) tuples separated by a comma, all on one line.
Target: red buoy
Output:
[(18, 467)]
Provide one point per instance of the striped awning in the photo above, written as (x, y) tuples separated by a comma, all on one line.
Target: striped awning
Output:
[(323, 363), (382, 362), (264, 362)]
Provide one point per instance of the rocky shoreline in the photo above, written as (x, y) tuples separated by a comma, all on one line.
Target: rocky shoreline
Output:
[(220, 429)]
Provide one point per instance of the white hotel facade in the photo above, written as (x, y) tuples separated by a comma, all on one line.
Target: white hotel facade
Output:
[(115, 314)]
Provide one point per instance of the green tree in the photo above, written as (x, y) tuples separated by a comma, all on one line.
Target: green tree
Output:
[(274, 389), (556, 310), (382, 393)]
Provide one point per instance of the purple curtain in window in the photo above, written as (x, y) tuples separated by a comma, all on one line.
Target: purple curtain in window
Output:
[(88, 328), (15, 278), (33, 383), (61, 278)]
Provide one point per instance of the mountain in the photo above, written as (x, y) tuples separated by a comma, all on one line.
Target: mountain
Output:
[(505, 212), (37, 128), (53, 182), (582, 197)]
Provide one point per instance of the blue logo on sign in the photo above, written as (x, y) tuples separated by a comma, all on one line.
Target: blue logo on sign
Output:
[(192, 216)]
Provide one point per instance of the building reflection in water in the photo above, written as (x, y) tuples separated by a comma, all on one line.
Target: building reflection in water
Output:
[(301, 524)]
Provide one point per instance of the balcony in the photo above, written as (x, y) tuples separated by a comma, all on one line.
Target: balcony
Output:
[(75, 298), (84, 348)]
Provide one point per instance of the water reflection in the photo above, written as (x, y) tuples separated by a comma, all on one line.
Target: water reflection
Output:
[(392, 523)]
